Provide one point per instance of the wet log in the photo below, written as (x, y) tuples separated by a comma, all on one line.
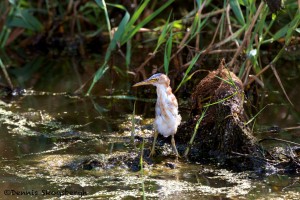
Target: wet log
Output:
[(222, 134)]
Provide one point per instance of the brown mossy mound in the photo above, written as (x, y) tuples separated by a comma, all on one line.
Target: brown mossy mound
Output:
[(223, 133), (224, 136)]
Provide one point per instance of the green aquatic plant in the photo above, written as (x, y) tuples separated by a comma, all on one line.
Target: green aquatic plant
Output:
[(168, 51), (125, 31), (186, 152), (20, 15), (186, 76), (241, 29), (141, 164)]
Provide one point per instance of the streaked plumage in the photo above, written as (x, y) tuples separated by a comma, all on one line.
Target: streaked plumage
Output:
[(167, 118)]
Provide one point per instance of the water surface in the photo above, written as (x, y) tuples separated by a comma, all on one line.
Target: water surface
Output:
[(46, 129)]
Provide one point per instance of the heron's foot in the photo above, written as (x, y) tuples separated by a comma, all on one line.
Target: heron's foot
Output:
[(174, 148), (152, 152), (177, 156)]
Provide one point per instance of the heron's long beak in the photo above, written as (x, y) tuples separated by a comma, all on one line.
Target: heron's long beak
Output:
[(145, 82)]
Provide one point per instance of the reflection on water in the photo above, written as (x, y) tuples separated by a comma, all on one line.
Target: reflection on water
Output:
[(41, 132)]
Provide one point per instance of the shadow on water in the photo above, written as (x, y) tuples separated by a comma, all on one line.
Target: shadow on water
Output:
[(44, 134)]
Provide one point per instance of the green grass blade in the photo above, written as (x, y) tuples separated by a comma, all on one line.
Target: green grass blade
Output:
[(184, 79), (142, 169), (286, 31), (234, 4), (221, 100), (136, 15), (128, 53), (168, 51), (119, 70), (99, 74), (230, 82), (162, 36), (4, 36), (117, 36), (186, 152), (23, 18), (112, 45), (148, 19), (280, 33), (125, 97), (199, 2), (195, 25), (102, 5), (256, 115), (292, 26), (99, 108), (133, 124)]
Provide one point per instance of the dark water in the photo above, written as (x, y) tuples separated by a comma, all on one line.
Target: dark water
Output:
[(45, 129)]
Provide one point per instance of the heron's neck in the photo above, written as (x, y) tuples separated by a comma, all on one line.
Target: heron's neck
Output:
[(166, 101), (163, 92)]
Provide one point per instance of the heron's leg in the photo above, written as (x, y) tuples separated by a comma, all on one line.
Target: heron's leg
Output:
[(174, 146), (153, 145)]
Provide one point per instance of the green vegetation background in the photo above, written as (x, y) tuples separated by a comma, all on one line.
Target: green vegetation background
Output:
[(181, 34)]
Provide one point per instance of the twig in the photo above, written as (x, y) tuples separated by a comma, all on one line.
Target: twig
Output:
[(210, 46), (291, 128), (228, 39), (254, 77), (182, 43), (141, 68), (280, 83), (254, 157), (297, 181), (280, 140), (6, 74), (229, 23), (221, 51)]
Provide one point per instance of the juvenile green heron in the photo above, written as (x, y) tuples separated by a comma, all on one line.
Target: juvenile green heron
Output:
[(167, 118)]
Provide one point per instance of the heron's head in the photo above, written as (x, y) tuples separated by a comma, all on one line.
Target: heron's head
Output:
[(156, 80)]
